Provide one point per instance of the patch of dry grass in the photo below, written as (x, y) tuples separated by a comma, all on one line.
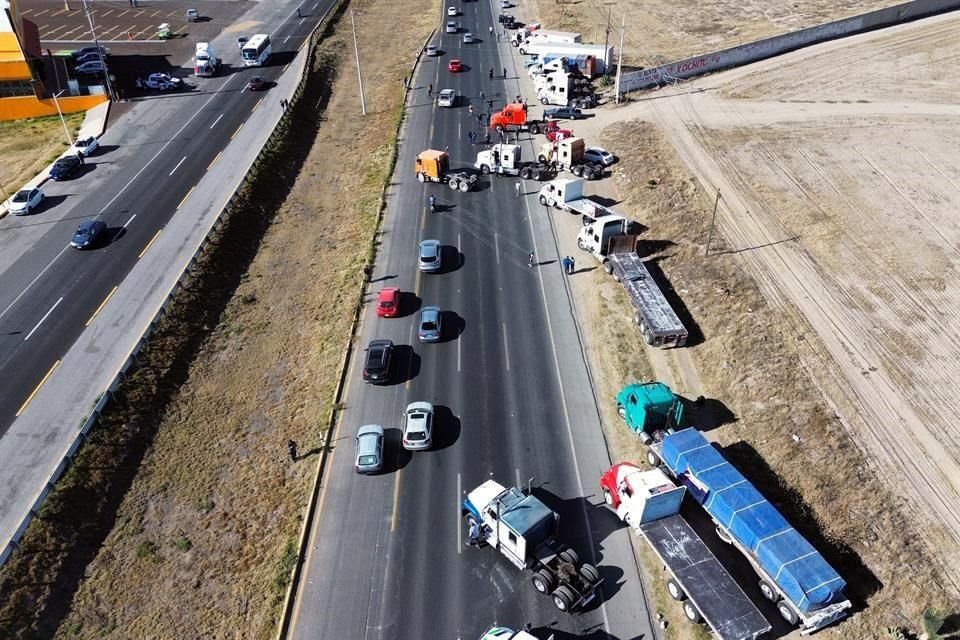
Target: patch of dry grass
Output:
[(196, 507), (28, 146), (749, 360)]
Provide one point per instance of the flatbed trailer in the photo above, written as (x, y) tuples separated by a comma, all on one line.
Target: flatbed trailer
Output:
[(715, 596), (657, 320)]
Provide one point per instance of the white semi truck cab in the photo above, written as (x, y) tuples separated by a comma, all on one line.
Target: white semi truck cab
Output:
[(205, 60), (524, 531)]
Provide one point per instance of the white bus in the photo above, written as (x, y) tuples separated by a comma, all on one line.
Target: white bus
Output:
[(256, 50)]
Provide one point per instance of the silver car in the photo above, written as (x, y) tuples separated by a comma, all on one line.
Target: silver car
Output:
[(429, 329), (429, 256), (418, 426), (369, 449)]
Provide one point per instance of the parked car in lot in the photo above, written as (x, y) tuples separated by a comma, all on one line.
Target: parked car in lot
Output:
[(92, 68), (369, 449), (192, 15), (93, 56), (388, 302), (452, 27), (602, 156), (562, 113), (432, 50), (256, 83), (87, 234), (376, 366), (454, 65), (79, 53), (418, 426), (447, 98), (86, 146), (468, 38), (429, 256), (64, 167), (428, 328), (558, 134), (25, 201)]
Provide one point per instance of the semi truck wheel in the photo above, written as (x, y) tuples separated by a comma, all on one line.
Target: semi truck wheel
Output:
[(576, 170), (464, 186), (692, 614), (543, 581), (608, 267), (563, 598), (542, 159), (768, 591), (453, 183), (525, 173), (653, 459), (590, 573), (421, 177), (580, 244), (569, 555), (788, 613), (675, 590), (621, 411), (544, 101), (608, 497), (484, 169), (534, 129)]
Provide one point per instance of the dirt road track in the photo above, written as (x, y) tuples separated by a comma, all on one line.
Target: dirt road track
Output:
[(844, 210)]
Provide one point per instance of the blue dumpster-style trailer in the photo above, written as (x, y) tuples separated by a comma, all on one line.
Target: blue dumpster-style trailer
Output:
[(805, 588)]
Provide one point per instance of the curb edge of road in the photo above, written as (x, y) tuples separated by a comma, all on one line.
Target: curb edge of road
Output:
[(289, 602), (41, 178)]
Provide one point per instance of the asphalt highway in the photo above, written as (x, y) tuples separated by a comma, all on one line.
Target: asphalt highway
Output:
[(387, 557), (148, 163)]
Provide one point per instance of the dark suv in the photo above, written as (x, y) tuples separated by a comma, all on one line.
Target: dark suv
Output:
[(376, 366)]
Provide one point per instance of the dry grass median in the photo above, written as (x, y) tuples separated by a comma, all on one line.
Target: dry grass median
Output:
[(28, 146)]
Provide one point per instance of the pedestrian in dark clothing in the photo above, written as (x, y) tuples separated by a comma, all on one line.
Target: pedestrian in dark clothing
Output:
[(491, 73), (490, 105), (367, 272), (504, 72), (292, 449), (472, 136), (481, 95), (430, 90), (573, 265), (486, 137), (479, 119), (519, 99), (566, 264), (80, 157), (298, 13)]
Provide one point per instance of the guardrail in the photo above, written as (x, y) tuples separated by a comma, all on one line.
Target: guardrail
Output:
[(776, 45), (131, 360)]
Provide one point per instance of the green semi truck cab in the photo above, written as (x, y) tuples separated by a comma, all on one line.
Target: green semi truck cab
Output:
[(649, 407)]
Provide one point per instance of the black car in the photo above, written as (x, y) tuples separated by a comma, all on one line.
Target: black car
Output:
[(64, 167), (87, 234), (376, 367), (568, 113), (79, 53)]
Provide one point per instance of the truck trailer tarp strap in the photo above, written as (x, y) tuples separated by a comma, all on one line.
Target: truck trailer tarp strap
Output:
[(795, 565)]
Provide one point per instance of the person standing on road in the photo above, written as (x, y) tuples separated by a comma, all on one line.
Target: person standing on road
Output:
[(504, 72), (573, 265), (566, 264), (481, 95), (430, 90), (516, 188), (80, 157), (491, 73)]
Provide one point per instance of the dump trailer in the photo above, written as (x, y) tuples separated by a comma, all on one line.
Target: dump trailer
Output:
[(651, 410), (566, 194), (806, 590), (611, 242), (434, 166), (524, 530), (568, 156), (514, 117), (505, 159), (650, 503)]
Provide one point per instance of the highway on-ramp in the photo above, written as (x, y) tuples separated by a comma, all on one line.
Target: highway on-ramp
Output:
[(386, 556)]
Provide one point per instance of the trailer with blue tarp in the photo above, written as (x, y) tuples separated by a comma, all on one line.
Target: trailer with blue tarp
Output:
[(805, 588)]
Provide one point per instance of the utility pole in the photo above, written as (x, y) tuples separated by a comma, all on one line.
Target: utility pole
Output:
[(713, 221), (606, 42), (62, 121), (103, 63), (623, 26), (356, 52)]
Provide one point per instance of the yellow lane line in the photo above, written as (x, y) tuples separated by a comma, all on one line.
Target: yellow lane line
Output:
[(214, 161), (102, 304), (256, 106), (186, 196), (34, 392), (236, 132), (149, 243)]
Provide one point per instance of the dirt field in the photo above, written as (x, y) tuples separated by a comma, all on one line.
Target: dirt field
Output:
[(658, 32), (28, 146), (827, 305), (201, 542)]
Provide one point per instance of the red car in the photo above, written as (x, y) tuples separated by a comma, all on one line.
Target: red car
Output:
[(388, 302), (454, 65), (558, 134)]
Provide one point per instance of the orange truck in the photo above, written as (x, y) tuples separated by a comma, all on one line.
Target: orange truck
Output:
[(434, 166), (513, 117)]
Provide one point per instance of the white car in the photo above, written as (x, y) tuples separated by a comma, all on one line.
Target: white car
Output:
[(86, 146), (596, 154), (468, 38), (25, 201), (447, 98), (432, 50), (418, 426), (452, 27), (453, 11), (504, 4), (163, 81)]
